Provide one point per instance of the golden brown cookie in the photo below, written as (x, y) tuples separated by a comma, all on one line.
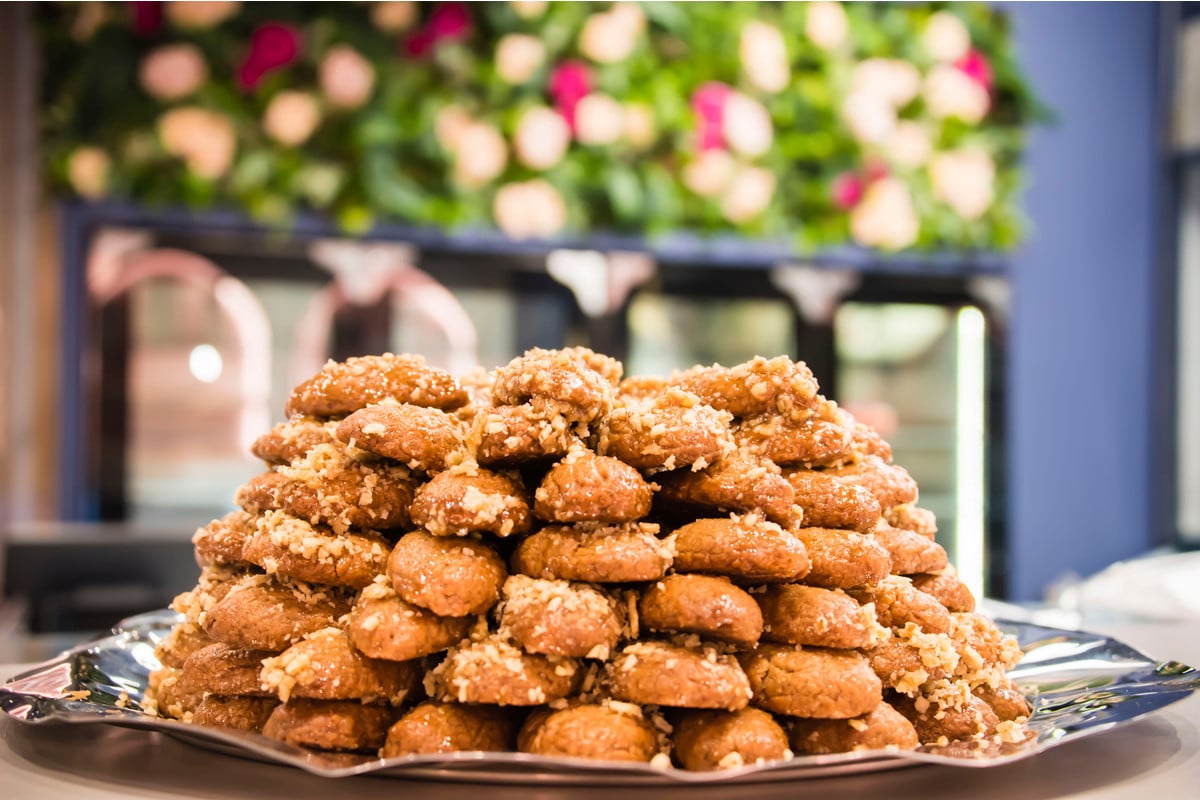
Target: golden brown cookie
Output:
[(237, 713), (494, 672), (261, 614), (1006, 701), (842, 559), (808, 615), (605, 732), (668, 431), (911, 658), (456, 503), (980, 644), (221, 541), (183, 640), (381, 625), (882, 727), (831, 502), (214, 583), (288, 546), (565, 382), (658, 673), (342, 388), (585, 487), (898, 602), (946, 587), (169, 696), (594, 553), (710, 606), (449, 728), (452, 577), (554, 617), (224, 670), (933, 723), (741, 482), (758, 386), (326, 666), (811, 682), (425, 439), (890, 483), (330, 724), (747, 548), (911, 553), (291, 440), (709, 740), (513, 435), (913, 518), (822, 437), (868, 442)]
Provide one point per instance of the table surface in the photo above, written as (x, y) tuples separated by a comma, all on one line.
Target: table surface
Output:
[(1158, 756)]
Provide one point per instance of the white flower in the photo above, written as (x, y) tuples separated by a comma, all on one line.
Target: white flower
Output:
[(965, 180), (393, 17), (291, 117), (909, 144), (542, 138), (746, 125), (518, 57), (346, 77), (532, 209), (449, 124), (172, 72), (529, 9), (764, 56), (87, 170), (200, 15), (890, 79), (480, 155), (204, 139), (950, 92), (599, 119), (709, 173), (825, 24), (946, 37), (885, 217), (640, 129), (748, 195), (610, 36), (870, 117)]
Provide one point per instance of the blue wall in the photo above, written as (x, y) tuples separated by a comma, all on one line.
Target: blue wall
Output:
[(1081, 330)]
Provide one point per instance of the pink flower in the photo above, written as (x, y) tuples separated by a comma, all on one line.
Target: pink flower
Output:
[(847, 190), (448, 22), (977, 68), (273, 46), (570, 82), (708, 104), (147, 17)]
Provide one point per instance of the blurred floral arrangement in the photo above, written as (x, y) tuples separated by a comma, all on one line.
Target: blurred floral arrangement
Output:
[(886, 125)]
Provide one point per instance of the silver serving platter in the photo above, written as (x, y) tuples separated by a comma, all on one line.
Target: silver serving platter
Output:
[(1078, 683)]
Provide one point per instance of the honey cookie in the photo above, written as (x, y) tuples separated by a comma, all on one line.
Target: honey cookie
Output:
[(214, 583), (432, 728), (260, 614), (224, 670), (494, 672), (330, 725), (911, 658), (291, 440), (808, 615), (711, 740), (802, 682), (183, 640), (911, 553), (898, 602), (669, 431), (1006, 701), (326, 666), (604, 732), (343, 387), (457, 503), (285, 545), (171, 697), (890, 483), (866, 441), (514, 435), (831, 502), (594, 553), (565, 382), (452, 577), (843, 559), (935, 724), (709, 606), (739, 483), (913, 518), (947, 588), (981, 644), (746, 548), (822, 437), (424, 439), (658, 673), (237, 713), (554, 617), (381, 625), (758, 386), (881, 728), (222, 540), (585, 487)]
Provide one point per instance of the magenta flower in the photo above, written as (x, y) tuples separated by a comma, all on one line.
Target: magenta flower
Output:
[(147, 17), (708, 104), (273, 46), (847, 190), (448, 22), (977, 68), (569, 82)]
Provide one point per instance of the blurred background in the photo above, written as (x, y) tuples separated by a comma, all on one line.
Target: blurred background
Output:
[(976, 222)]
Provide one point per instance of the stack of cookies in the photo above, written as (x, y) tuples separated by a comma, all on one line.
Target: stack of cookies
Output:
[(718, 569)]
